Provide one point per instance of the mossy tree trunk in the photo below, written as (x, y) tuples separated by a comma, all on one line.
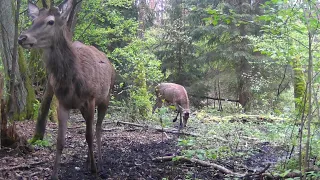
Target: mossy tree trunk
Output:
[(299, 85), (10, 58), (31, 97)]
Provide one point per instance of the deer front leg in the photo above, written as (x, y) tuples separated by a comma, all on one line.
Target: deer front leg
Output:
[(88, 114), (63, 116), (181, 125), (175, 119), (158, 104)]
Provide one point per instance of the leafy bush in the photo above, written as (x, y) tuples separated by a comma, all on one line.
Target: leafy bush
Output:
[(139, 69)]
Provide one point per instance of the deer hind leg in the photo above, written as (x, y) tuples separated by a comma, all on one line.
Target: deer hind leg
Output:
[(175, 119), (101, 114), (88, 114), (63, 116)]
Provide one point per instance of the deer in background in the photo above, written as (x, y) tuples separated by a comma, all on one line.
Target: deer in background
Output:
[(80, 76), (173, 94)]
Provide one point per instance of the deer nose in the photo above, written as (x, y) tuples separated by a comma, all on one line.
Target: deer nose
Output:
[(22, 38)]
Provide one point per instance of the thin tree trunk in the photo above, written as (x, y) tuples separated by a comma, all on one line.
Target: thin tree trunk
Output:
[(1, 89), (142, 18), (9, 54), (14, 63), (310, 74)]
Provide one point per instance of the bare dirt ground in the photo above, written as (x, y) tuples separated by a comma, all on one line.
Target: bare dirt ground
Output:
[(127, 154)]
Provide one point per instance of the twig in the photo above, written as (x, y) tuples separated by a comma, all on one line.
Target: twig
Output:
[(23, 166), (174, 132), (166, 135), (34, 174), (132, 124), (112, 129), (76, 127)]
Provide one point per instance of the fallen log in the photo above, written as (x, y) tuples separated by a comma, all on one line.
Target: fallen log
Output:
[(211, 164), (193, 160)]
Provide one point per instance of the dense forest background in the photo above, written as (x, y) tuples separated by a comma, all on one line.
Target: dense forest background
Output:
[(256, 57)]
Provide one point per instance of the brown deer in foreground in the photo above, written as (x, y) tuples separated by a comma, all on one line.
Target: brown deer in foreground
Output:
[(80, 76), (173, 94)]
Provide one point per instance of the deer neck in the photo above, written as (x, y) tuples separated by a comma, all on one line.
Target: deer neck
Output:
[(60, 59)]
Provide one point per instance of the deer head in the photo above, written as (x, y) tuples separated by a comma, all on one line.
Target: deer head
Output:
[(47, 24)]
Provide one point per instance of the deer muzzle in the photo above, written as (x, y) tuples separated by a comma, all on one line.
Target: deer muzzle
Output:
[(25, 41)]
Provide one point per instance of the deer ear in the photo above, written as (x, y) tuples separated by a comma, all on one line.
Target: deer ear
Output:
[(33, 10), (65, 8)]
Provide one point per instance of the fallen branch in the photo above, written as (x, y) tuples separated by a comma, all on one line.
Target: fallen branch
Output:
[(23, 166), (193, 160), (132, 124), (210, 164), (158, 129), (112, 129), (165, 130), (76, 127)]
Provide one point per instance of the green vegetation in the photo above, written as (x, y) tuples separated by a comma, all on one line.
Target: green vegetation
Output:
[(259, 60)]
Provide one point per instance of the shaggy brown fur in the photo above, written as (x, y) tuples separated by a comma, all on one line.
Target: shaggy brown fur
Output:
[(81, 76)]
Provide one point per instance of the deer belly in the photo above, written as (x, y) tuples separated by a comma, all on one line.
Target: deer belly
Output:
[(69, 98)]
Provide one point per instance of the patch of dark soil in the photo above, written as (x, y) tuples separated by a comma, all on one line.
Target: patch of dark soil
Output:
[(126, 155), (265, 154), (129, 157)]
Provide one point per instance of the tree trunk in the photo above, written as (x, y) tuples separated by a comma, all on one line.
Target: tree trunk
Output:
[(299, 86), (1, 121), (243, 71), (142, 18), (9, 53), (31, 96)]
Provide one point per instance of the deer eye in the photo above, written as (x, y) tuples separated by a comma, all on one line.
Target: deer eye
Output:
[(51, 22)]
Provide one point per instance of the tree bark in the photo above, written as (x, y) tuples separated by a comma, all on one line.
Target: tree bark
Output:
[(9, 54), (1, 89), (142, 18)]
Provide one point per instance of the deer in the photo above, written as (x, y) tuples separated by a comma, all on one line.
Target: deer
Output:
[(172, 93), (80, 75)]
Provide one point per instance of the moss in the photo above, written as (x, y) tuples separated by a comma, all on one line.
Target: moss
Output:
[(53, 110), (35, 138), (31, 97), (299, 84)]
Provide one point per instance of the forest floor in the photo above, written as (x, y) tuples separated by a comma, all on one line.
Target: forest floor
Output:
[(128, 153)]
